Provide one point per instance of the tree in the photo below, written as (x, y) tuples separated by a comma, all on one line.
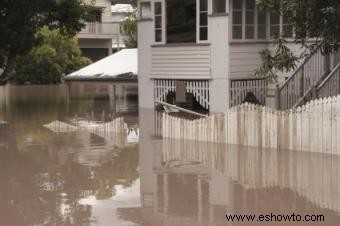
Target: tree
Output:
[(58, 54), (20, 21), (316, 25), (129, 26)]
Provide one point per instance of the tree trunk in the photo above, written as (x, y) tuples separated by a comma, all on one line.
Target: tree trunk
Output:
[(7, 74)]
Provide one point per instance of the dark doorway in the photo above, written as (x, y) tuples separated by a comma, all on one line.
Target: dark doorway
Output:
[(95, 54)]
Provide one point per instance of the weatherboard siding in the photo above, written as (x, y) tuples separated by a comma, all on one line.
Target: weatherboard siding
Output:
[(244, 59), (182, 62)]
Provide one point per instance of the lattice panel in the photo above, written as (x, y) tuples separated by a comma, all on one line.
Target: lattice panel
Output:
[(200, 90)]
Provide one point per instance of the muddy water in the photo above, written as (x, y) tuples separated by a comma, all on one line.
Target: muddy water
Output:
[(81, 178)]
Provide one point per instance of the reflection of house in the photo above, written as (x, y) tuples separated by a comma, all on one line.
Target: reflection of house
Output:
[(95, 40), (211, 48)]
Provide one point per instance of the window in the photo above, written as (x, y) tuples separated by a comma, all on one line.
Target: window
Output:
[(250, 19), (251, 23), (158, 22), (287, 29), (203, 20), (261, 25), (181, 21), (237, 19), (219, 6), (274, 25), (145, 10), (96, 15)]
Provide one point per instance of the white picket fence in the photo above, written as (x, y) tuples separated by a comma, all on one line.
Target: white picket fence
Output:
[(314, 127)]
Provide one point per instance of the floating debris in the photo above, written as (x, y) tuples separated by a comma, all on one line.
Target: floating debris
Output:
[(60, 127)]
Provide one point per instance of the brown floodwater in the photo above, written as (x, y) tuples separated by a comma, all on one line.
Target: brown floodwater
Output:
[(79, 177)]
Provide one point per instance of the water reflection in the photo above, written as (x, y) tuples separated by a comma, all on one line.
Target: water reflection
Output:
[(47, 176), (195, 183), (83, 177)]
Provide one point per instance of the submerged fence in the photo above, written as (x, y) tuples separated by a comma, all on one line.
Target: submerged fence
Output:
[(115, 132), (314, 127)]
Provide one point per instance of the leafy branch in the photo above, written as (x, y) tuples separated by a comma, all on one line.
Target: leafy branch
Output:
[(282, 60)]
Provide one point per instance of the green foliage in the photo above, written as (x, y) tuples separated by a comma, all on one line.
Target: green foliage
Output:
[(129, 26), (20, 20), (283, 60), (315, 22), (58, 55), (38, 66)]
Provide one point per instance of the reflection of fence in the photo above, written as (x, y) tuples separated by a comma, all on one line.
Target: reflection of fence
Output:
[(312, 176), (313, 127)]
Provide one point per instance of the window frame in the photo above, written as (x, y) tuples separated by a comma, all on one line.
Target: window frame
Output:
[(163, 28), (213, 2), (164, 25), (254, 25), (232, 10), (268, 37), (198, 22)]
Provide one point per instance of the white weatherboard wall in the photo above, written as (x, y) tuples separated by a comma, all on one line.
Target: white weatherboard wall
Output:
[(244, 59), (314, 127), (181, 62)]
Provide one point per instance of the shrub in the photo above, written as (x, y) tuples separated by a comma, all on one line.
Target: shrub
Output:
[(58, 55)]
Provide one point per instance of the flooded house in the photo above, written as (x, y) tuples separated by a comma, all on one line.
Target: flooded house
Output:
[(207, 52), (95, 39)]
